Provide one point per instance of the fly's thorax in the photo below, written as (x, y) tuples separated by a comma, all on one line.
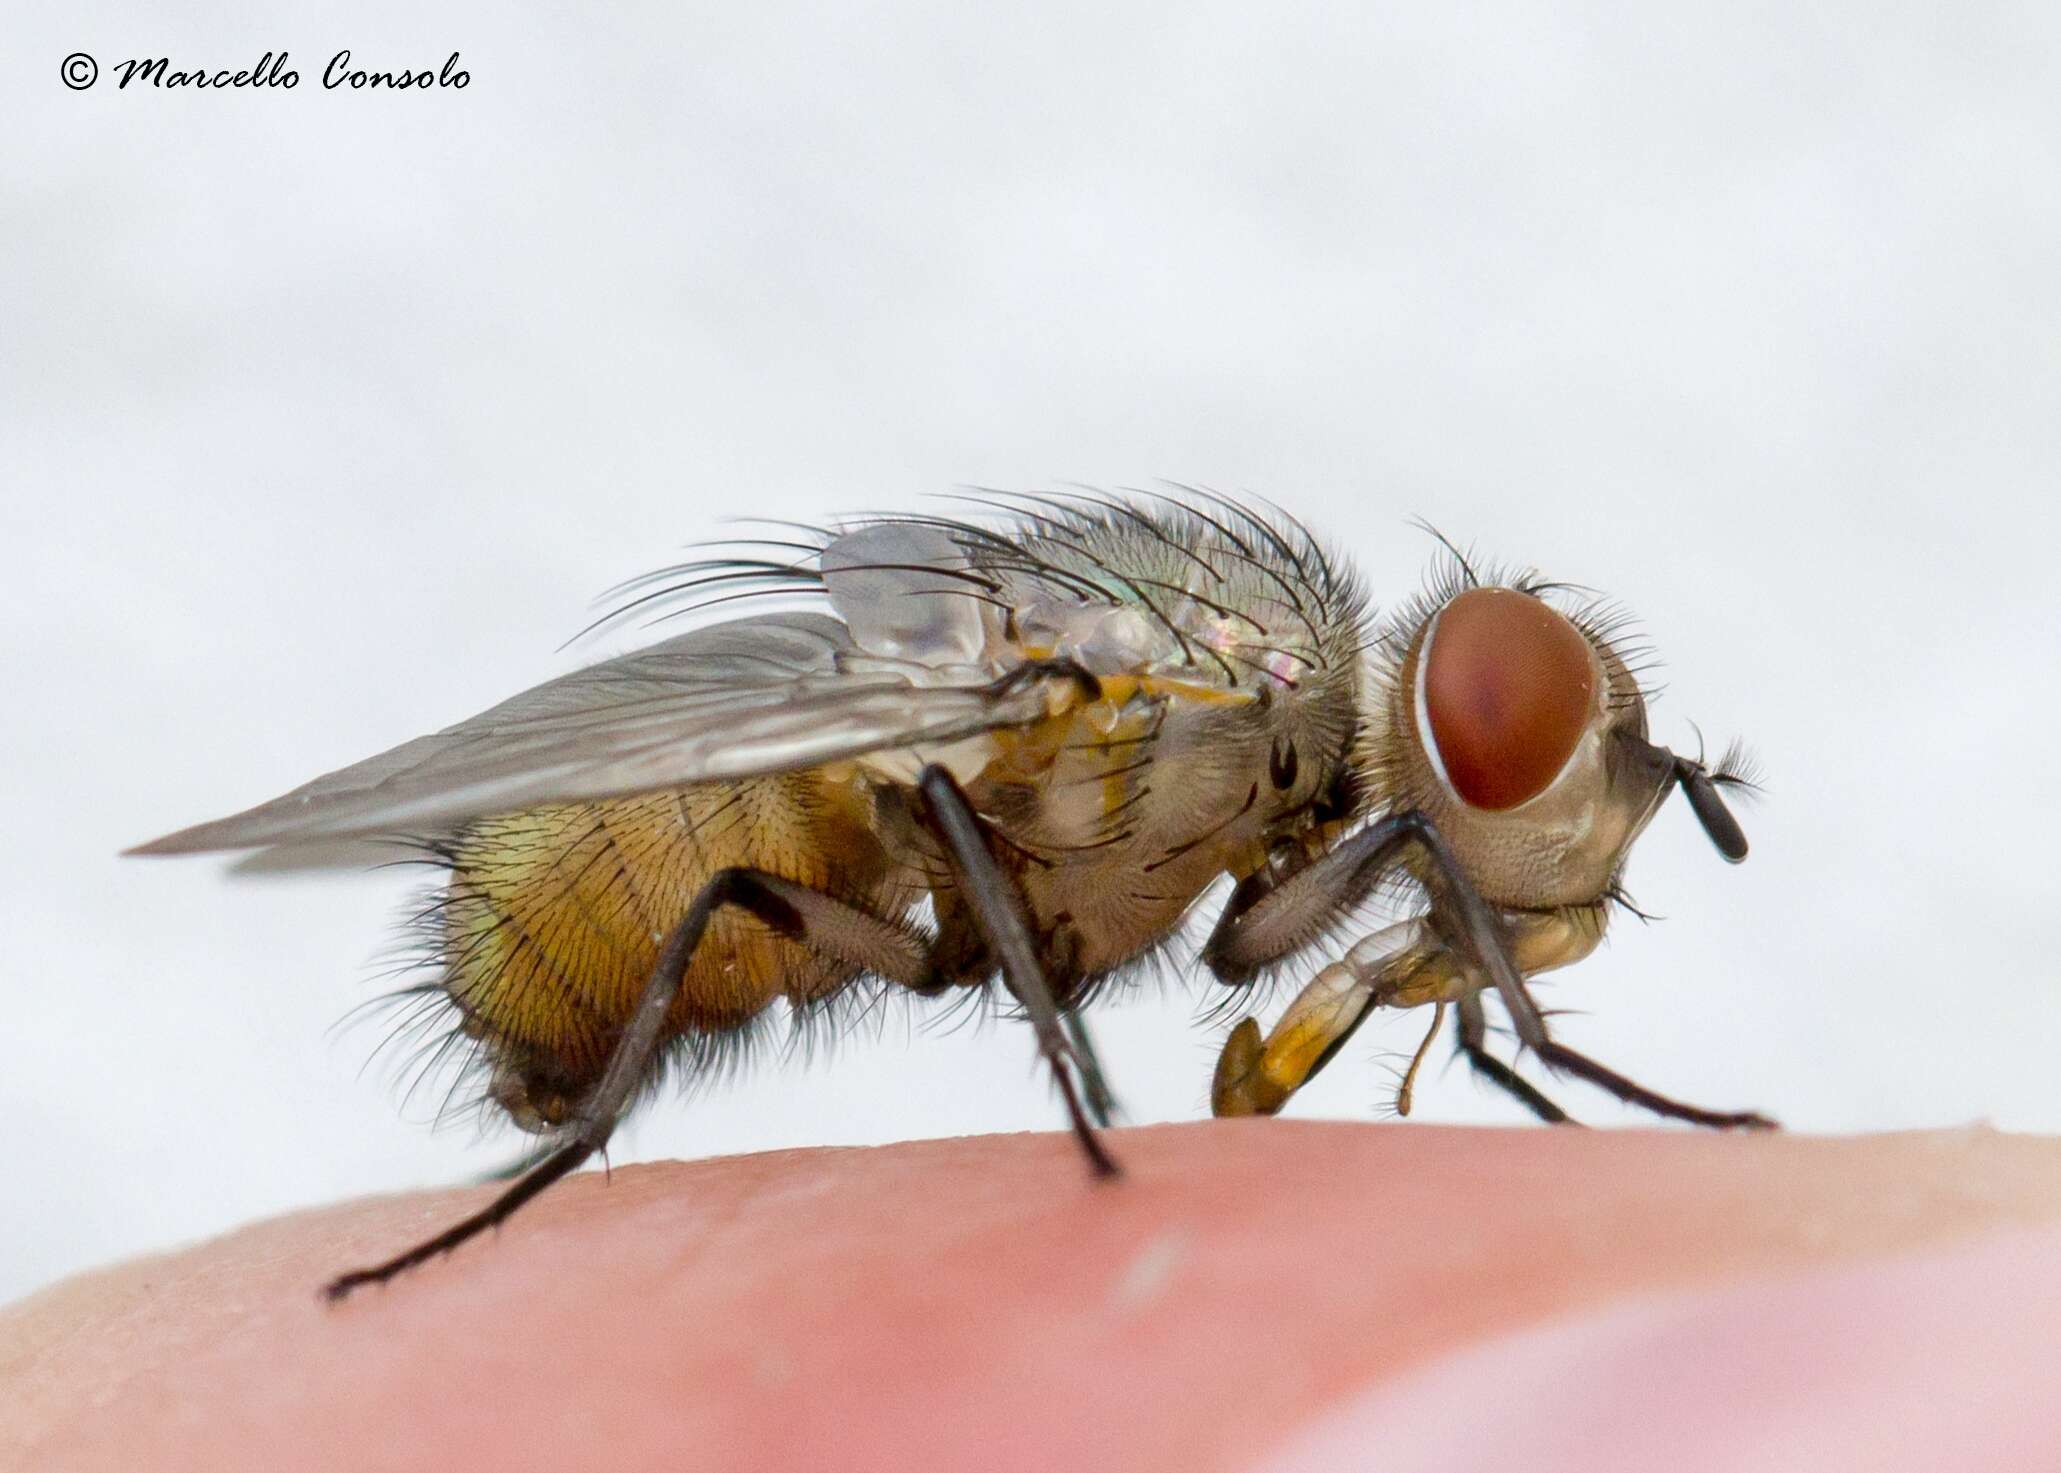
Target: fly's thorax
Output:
[(1227, 647), (1117, 815), (1158, 765), (1229, 660), (1519, 731)]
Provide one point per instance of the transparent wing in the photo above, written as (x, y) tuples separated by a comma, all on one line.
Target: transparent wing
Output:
[(737, 700)]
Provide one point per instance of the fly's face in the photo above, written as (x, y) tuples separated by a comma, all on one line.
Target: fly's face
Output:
[(1505, 758), (1520, 730)]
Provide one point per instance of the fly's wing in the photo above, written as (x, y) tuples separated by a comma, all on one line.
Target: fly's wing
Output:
[(737, 700)]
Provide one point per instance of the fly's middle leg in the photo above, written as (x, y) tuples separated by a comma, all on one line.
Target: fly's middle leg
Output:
[(997, 909), (1095, 1092)]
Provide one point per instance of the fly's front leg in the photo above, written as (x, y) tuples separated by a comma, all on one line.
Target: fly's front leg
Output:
[(1477, 947), (1546, 939), (1256, 1076), (997, 908), (1262, 925), (1540, 941), (1474, 1048), (1410, 964), (1560, 1056)]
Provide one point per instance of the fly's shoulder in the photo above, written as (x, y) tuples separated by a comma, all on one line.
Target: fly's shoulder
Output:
[(1214, 597)]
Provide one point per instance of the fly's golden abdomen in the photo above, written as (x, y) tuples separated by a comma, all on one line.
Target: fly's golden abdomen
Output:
[(555, 917)]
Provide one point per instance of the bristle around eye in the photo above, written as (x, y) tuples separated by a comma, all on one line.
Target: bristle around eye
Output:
[(1462, 563)]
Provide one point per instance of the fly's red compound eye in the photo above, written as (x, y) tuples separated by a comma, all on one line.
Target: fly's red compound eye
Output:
[(1508, 686)]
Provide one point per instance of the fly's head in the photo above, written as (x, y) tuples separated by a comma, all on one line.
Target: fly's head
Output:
[(1520, 730)]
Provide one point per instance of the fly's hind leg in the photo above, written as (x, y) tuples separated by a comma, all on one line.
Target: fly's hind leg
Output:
[(823, 923), (998, 911)]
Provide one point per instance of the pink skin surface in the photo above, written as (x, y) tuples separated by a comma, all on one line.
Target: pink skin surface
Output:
[(1253, 1293)]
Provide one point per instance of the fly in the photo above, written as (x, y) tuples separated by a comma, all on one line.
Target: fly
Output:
[(1055, 731)]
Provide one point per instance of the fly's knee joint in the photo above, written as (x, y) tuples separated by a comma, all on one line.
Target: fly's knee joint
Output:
[(728, 885), (749, 888), (1227, 967), (536, 1101), (536, 1088)]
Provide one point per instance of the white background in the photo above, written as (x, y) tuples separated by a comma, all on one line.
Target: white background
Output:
[(324, 414)]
